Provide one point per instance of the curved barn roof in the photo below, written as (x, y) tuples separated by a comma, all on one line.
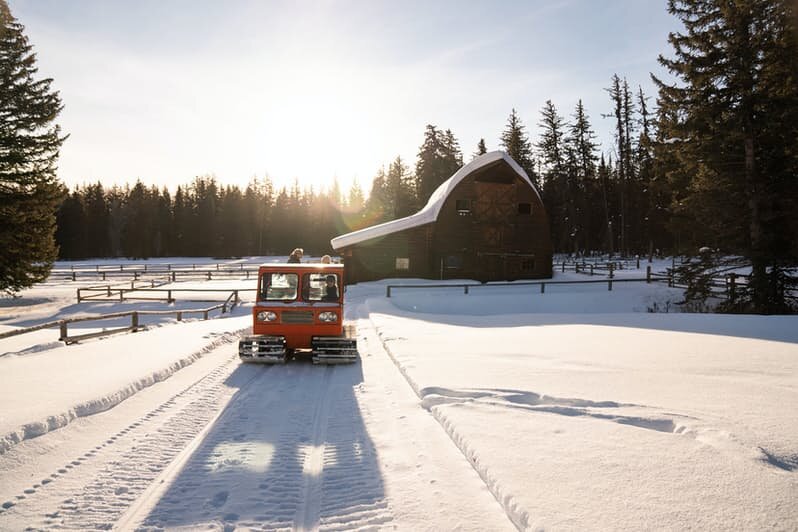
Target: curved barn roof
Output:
[(429, 213)]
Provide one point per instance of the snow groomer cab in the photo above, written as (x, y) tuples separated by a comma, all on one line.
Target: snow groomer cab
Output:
[(299, 310)]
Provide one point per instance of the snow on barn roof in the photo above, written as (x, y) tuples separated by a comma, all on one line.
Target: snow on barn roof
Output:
[(429, 213)]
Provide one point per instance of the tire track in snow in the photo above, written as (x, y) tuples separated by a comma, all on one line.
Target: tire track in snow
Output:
[(287, 454), (515, 513), (125, 463), (307, 517), (351, 494)]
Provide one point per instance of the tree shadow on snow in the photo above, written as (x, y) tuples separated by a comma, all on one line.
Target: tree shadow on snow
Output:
[(775, 328)]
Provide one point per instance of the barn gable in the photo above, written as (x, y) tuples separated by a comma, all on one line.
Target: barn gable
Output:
[(486, 222)]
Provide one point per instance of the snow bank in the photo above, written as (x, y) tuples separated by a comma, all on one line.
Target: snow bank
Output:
[(46, 390)]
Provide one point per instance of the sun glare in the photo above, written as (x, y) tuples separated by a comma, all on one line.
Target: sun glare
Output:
[(315, 126)]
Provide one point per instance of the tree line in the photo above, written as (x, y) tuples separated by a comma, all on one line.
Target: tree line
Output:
[(580, 189), (710, 161)]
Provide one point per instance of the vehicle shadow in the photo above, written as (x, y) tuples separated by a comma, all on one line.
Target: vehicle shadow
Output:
[(290, 451)]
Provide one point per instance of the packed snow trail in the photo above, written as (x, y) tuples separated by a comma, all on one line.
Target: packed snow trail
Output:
[(226, 445), (275, 461)]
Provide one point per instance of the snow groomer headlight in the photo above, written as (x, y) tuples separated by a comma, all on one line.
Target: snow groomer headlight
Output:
[(328, 317), (266, 316)]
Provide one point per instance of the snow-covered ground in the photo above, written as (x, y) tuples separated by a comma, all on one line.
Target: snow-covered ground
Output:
[(573, 409)]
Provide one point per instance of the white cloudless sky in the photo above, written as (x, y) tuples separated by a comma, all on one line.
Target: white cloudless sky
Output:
[(318, 90)]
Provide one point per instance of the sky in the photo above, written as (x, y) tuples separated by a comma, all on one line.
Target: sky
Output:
[(319, 90)]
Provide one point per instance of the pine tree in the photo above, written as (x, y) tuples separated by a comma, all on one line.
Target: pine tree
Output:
[(139, 223), (618, 97), (580, 141), (439, 157), (399, 189), (378, 201), (731, 122), (428, 169), (71, 227), (355, 200), (452, 156), (515, 141), (96, 220), (29, 145), (556, 189)]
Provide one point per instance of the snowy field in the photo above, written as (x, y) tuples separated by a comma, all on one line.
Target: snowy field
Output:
[(503, 408)]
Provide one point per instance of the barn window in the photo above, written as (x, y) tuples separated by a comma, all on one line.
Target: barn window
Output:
[(402, 263), (463, 207), (454, 262), (524, 208)]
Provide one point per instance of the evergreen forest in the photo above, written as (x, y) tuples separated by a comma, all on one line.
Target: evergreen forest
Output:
[(708, 162)]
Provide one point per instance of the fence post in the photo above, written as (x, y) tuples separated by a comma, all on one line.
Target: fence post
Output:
[(108, 290), (236, 301), (609, 284), (169, 297), (542, 288), (465, 288), (179, 316), (648, 274), (209, 275), (388, 291), (63, 328), (591, 268), (205, 315), (121, 291), (638, 261), (134, 321), (173, 277), (103, 276), (611, 266), (732, 287), (73, 275), (563, 266), (78, 295), (576, 267)]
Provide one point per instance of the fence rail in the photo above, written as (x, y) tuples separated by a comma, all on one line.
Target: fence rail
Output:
[(168, 275), (108, 291), (467, 286), (228, 305)]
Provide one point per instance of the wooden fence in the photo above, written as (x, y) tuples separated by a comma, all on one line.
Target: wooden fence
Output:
[(228, 305), (121, 293), (389, 289), (164, 273)]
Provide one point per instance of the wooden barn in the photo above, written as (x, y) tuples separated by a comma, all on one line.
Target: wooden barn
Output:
[(486, 222)]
